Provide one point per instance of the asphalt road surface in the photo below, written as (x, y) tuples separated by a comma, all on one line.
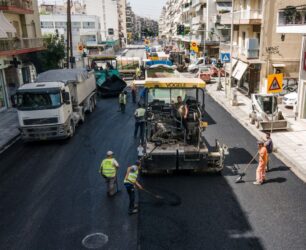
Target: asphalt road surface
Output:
[(52, 196)]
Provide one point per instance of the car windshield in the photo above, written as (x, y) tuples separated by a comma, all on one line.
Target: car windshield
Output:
[(38, 100)]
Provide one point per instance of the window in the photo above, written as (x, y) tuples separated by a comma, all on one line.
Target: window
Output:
[(243, 39), (88, 25), (111, 31), (76, 25), (60, 24), (47, 25)]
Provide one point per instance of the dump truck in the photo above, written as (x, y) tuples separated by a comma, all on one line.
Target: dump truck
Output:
[(168, 145), (265, 114), (55, 104)]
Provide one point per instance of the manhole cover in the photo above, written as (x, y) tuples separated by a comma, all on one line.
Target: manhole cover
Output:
[(96, 240)]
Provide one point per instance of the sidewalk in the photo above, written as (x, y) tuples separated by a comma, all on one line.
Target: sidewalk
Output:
[(8, 128), (289, 146)]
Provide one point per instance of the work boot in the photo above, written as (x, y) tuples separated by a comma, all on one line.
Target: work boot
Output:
[(257, 183)]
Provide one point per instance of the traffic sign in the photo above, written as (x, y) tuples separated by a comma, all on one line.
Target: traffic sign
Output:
[(194, 47), (80, 47), (275, 83), (225, 57)]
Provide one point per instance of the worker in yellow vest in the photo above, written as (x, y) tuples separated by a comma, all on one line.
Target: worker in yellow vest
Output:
[(122, 101), (108, 170), (130, 182)]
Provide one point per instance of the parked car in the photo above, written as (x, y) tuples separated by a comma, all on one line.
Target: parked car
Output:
[(289, 100), (195, 66), (204, 74), (214, 71)]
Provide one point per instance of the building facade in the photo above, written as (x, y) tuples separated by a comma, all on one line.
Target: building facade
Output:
[(291, 22), (85, 29), (107, 11), (20, 35), (122, 22)]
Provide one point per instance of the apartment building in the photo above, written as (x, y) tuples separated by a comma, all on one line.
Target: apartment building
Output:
[(122, 22), (257, 50), (130, 23), (20, 35), (107, 11), (291, 22), (85, 29), (201, 20)]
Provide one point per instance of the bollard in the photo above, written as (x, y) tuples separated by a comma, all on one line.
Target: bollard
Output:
[(234, 100)]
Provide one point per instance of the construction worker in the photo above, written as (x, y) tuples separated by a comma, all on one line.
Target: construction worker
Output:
[(134, 92), (122, 101), (269, 146), (262, 163), (139, 121), (108, 170), (182, 109), (138, 73), (130, 182)]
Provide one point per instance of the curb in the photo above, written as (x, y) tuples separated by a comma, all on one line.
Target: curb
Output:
[(9, 143), (279, 154)]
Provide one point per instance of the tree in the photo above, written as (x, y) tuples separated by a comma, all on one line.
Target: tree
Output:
[(52, 57)]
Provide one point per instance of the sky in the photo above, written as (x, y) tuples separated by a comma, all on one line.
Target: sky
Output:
[(144, 8)]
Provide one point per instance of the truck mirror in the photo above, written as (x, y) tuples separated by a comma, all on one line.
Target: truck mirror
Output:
[(66, 97)]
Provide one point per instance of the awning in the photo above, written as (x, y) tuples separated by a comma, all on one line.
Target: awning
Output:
[(239, 70), (224, 6), (279, 65), (5, 25), (2, 33)]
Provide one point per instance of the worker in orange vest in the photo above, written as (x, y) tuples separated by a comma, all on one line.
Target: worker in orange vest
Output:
[(262, 163)]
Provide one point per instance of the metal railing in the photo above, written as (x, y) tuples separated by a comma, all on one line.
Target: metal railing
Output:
[(17, 3), (20, 43), (239, 51), (298, 18), (241, 15)]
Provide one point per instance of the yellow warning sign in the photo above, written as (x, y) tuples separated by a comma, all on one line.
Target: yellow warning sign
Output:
[(194, 47), (275, 83)]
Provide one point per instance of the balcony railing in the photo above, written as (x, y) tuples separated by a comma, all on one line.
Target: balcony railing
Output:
[(239, 52), (243, 16), (13, 44), (18, 6), (298, 18)]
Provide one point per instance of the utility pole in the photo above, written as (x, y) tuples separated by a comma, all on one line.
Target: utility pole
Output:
[(69, 37)]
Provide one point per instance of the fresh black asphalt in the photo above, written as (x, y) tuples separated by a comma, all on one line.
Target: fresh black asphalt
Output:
[(52, 195)]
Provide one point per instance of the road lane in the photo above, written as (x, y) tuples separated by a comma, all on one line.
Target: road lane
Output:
[(217, 213), (52, 195)]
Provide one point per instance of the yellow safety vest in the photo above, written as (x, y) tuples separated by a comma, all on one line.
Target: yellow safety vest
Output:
[(107, 168), (132, 177)]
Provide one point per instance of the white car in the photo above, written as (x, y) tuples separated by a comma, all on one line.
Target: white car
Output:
[(289, 100), (195, 66)]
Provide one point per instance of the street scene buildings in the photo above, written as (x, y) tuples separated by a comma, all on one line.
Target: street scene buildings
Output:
[(166, 124)]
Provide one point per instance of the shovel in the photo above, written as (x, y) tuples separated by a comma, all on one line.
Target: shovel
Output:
[(152, 194), (239, 179)]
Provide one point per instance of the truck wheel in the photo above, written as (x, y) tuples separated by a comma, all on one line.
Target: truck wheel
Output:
[(71, 129)]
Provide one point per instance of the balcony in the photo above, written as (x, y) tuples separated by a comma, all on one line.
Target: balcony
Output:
[(240, 52), (242, 17), (294, 22), (197, 20), (17, 6), (198, 2), (17, 46)]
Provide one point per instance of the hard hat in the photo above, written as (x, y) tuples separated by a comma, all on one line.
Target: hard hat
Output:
[(109, 153)]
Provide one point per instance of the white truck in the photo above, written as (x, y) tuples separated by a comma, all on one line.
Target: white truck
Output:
[(52, 107)]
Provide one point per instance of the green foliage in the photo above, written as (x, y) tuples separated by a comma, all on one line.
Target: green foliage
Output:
[(52, 57)]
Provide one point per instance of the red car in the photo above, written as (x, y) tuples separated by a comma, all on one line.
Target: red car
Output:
[(214, 71), (204, 73)]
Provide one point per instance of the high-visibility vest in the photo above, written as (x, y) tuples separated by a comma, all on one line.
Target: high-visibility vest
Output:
[(122, 98), (132, 177), (139, 114), (107, 168)]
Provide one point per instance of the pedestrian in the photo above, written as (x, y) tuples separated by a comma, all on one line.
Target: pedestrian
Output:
[(134, 92), (262, 163), (130, 183), (122, 101), (139, 121), (269, 146), (108, 170)]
